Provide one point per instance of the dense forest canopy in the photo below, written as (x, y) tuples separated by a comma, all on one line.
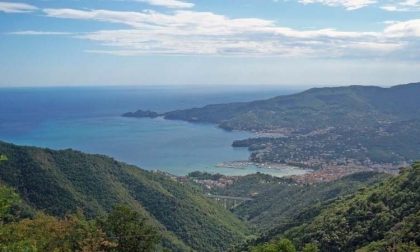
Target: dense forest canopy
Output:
[(145, 211), (61, 182), (382, 217)]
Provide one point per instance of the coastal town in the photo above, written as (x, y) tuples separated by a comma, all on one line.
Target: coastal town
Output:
[(330, 172)]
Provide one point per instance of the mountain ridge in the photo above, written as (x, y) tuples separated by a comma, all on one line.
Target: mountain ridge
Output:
[(336, 105), (332, 100), (349, 128), (60, 182)]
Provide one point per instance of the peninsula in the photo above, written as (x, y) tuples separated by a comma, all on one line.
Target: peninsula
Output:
[(335, 131)]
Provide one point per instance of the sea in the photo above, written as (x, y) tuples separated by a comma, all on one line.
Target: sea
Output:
[(89, 119)]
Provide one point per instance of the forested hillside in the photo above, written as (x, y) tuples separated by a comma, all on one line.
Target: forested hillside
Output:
[(383, 217), (60, 182), (279, 202), (25, 229)]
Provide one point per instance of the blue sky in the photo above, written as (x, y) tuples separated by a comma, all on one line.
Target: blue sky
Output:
[(209, 42)]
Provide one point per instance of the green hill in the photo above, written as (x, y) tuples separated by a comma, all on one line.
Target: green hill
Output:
[(325, 127), (25, 229), (60, 182), (352, 106), (278, 201), (383, 217)]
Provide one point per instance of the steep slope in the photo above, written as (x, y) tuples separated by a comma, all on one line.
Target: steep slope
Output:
[(24, 229), (353, 106), (59, 182), (379, 218), (279, 201)]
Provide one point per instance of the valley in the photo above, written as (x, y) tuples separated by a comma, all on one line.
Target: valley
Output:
[(357, 172), (210, 126)]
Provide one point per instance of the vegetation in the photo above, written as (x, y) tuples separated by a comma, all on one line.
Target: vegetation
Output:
[(393, 143), (70, 201), (353, 106), (349, 125), (204, 175), (141, 113), (280, 203), (342, 215), (12, 208), (129, 230), (383, 217), (61, 182), (74, 232), (283, 245)]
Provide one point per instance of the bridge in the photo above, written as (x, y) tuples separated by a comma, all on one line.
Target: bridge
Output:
[(229, 202)]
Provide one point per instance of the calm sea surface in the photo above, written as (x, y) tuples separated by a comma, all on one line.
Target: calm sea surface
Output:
[(88, 119)]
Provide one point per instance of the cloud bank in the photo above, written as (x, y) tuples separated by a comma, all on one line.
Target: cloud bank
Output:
[(206, 33), (189, 32)]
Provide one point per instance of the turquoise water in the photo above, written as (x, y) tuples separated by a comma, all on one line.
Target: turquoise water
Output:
[(88, 119)]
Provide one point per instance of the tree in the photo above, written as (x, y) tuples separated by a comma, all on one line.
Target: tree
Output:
[(86, 235), (129, 230), (47, 233), (285, 245), (310, 247), (8, 198), (282, 245), (267, 247)]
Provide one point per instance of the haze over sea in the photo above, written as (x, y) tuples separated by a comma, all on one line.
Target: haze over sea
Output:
[(88, 119)]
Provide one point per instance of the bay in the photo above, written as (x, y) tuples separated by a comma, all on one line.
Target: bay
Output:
[(88, 119)]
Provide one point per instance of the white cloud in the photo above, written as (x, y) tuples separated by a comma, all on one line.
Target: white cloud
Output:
[(348, 4), (402, 6), (409, 28), (411, 3), (389, 22), (391, 8), (207, 33), (10, 7), (175, 4), (198, 23), (39, 33), (376, 46)]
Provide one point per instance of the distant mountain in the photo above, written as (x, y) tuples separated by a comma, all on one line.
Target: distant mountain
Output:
[(60, 182), (382, 217), (352, 106)]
